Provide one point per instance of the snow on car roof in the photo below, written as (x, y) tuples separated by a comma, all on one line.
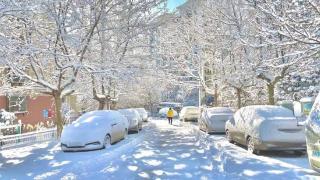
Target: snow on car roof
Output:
[(190, 107), (269, 111), (219, 110), (104, 113), (129, 112)]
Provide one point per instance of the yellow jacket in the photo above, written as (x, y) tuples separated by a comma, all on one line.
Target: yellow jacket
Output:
[(170, 113)]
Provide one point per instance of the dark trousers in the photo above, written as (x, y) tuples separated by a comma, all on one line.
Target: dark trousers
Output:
[(170, 120)]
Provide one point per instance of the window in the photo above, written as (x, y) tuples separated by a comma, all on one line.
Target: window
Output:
[(16, 80), (17, 103)]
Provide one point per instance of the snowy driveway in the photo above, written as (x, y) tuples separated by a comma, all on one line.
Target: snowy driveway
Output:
[(159, 151)]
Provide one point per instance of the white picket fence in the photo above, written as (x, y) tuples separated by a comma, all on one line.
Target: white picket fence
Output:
[(27, 138)]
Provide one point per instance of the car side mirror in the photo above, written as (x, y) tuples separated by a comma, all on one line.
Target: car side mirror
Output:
[(301, 123), (232, 121)]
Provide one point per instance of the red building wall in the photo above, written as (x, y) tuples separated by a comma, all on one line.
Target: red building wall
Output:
[(35, 107)]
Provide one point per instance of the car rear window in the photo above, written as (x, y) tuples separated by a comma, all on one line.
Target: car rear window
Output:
[(273, 112)]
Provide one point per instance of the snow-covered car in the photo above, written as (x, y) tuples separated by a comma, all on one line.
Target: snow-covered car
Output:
[(313, 135), (94, 130), (163, 112), (266, 127), (134, 119), (189, 113), (143, 114), (214, 119)]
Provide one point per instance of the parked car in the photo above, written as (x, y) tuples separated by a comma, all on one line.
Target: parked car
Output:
[(134, 119), (264, 127), (163, 112), (94, 130), (313, 135), (189, 113), (143, 114), (214, 119)]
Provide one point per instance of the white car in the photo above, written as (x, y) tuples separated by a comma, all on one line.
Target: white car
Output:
[(143, 114), (94, 130), (134, 119), (266, 127), (163, 112), (214, 119), (189, 113), (313, 135)]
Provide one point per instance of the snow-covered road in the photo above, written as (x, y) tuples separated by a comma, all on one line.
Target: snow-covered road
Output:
[(160, 151)]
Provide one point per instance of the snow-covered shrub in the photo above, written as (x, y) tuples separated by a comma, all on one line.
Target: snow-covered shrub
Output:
[(6, 118)]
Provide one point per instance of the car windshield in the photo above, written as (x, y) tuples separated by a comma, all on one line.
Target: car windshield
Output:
[(274, 112)]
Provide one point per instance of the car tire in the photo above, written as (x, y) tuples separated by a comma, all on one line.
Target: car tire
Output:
[(207, 129), (251, 146), (228, 136), (107, 141), (137, 129), (125, 133), (298, 153)]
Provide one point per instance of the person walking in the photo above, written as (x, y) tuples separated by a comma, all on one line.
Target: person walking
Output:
[(170, 115)]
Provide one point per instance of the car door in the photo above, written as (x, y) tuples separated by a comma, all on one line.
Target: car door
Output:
[(234, 130), (238, 131), (115, 130), (245, 115)]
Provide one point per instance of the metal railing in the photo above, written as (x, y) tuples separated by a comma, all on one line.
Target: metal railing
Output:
[(27, 138)]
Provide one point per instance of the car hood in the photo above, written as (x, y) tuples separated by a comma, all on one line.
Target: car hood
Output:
[(80, 134)]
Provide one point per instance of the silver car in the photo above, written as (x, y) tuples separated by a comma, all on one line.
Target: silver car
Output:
[(143, 114), (134, 119), (265, 127), (214, 119)]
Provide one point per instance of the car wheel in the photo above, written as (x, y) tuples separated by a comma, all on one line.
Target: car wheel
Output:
[(250, 146), (207, 129), (228, 136), (107, 141), (298, 153), (125, 133), (137, 129)]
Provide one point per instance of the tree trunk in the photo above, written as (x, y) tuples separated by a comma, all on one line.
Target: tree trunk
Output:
[(59, 119), (238, 91), (271, 94), (102, 104), (216, 95)]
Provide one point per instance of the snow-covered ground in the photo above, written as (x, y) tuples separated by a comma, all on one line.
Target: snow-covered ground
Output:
[(160, 151)]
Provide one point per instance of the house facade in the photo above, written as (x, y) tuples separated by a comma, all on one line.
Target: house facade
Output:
[(30, 106), (29, 109)]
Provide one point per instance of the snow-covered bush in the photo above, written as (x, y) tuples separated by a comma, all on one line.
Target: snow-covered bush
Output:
[(6, 118)]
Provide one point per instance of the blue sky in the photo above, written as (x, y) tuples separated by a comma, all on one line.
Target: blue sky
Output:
[(174, 3)]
